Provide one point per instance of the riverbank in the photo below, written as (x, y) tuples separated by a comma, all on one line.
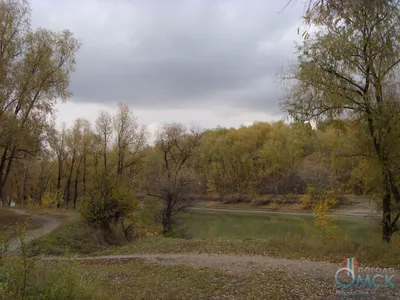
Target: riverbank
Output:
[(355, 206)]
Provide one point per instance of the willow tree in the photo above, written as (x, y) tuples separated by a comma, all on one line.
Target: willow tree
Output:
[(35, 67), (348, 69)]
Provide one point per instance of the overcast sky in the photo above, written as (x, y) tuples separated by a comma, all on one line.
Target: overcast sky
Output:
[(205, 62)]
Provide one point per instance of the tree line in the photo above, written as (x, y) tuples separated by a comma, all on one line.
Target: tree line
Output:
[(263, 158)]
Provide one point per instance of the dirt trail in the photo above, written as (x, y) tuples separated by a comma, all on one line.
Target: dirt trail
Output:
[(228, 263), (360, 206), (48, 222)]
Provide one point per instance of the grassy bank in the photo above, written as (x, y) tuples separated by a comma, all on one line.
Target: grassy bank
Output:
[(72, 237), (77, 238), (265, 236), (290, 202)]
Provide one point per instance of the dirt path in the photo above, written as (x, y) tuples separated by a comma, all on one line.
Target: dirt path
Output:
[(228, 263), (360, 206), (48, 223)]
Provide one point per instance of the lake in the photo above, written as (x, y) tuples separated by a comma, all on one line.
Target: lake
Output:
[(207, 224)]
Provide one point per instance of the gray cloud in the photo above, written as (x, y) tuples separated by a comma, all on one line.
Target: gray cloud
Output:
[(174, 54)]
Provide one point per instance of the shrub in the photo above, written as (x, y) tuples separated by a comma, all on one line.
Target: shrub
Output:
[(290, 183), (306, 200), (315, 195), (75, 236), (325, 225), (110, 205), (318, 176), (321, 201), (256, 202), (235, 198)]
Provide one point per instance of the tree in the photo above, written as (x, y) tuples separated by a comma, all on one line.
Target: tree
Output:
[(259, 159), (57, 141), (171, 180), (348, 69), (44, 167), (130, 139), (87, 140), (104, 132), (73, 140), (35, 67)]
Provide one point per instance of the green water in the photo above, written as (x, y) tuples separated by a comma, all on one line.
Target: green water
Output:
[(204, 225)]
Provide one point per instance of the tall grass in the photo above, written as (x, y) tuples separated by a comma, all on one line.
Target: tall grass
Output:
[(23, 277)]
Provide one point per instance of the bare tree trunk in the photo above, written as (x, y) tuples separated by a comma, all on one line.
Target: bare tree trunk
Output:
[(84, 173), (167, 217), (76, 188), (25, 186), (59, 173), (76, 182), (2, 168), (2, 196), (18, 187), (105, 154), (386, 205), (68, 186), (44, 188), (60, 164), (5, 168), (120, 162), (386, 220)]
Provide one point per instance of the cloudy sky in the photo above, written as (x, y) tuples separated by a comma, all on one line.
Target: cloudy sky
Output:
[(209, 62)]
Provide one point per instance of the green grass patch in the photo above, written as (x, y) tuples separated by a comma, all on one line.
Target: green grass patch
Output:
[(74, 236)]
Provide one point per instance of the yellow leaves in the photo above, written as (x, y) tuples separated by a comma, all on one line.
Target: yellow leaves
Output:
[(305, 35), (325, 225), (48, 199), (306, 200), (331, 202)]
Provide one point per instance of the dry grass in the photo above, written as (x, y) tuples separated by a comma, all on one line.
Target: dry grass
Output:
[(139, 279)]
